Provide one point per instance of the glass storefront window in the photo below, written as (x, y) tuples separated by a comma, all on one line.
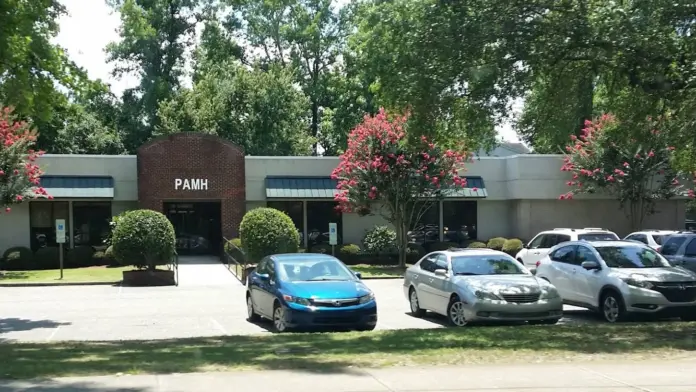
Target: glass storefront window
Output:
[(91, 221), (427, 229), (459, 221), (294, 210), (42, 220), (319, 215)]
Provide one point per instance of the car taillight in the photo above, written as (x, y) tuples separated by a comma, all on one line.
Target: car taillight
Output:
[(537, 263), (659, 249)]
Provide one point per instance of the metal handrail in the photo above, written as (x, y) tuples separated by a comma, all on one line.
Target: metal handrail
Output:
[(233, 265), (174, 266)]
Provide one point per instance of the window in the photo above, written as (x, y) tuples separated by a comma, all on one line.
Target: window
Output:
[(536, 242), (262, 268), (690, 250), (559, 238), (91, 222), (486, 265), (427, 229), (565, 254), (306, 269), (42, 220), (585, 254), (319, 215), (441, 262), (659, 239), (632, 256), (639, 237), (672, 246), (294, 210), (459, 221), (429, 263), (599, 237)]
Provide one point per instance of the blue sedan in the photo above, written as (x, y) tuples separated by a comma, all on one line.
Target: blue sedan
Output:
[(309, 290)]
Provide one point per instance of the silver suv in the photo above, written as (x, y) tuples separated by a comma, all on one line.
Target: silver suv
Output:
[(619, 277)]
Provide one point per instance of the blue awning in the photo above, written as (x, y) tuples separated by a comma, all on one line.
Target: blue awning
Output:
[(300, 188), (280, 187), (79, 186)]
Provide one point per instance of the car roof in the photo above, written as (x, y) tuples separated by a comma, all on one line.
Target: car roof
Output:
[(578, 231), (302, 257), (600, 244), (649, 231), (470, 252), (683, 233)]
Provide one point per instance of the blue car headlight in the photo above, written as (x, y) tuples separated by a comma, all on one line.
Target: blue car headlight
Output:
[(367, 298), (297, 300)]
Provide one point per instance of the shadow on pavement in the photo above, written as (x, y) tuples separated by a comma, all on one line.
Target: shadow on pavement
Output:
[(19, 324), (52, 386)]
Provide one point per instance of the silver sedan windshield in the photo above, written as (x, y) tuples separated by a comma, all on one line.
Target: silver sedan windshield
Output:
[(486, 265)]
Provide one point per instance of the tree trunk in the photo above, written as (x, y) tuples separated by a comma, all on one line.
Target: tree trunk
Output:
[(401, 243)]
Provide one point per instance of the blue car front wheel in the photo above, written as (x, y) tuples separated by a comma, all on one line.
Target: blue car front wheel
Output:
[(279, 320)]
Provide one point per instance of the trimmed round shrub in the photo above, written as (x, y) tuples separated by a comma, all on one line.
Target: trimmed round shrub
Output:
[(80, 256), (144, 239), (99, 258), (513, 246), (17, 258), (320, 248), (48, 257), (267, 231), (477, 244), (435, 246), (496, 243), (109, 255), (349, 250), (379, 239)]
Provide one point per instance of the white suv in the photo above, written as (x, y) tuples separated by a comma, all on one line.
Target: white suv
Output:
[(619, 277), (651, 238), (540, 245)]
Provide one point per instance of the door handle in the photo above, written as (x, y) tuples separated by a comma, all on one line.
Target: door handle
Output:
[(432, 280), (415, 277), (537, 253)]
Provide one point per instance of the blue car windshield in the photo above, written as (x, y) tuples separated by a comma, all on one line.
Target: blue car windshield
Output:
[(313, 269), (486, 265)]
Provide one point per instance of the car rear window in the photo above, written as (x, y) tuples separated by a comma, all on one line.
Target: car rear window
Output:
[(598, 237), (671, 247), (659, 239)]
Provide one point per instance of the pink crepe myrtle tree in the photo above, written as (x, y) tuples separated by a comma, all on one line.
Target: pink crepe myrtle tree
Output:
[(632, 162), (19, 174), (382, 172)]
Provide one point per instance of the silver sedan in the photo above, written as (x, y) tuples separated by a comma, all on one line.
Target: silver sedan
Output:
[(468, 285)]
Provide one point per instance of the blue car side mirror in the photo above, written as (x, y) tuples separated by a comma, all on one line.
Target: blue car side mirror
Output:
[(263, 276), (358, 274)]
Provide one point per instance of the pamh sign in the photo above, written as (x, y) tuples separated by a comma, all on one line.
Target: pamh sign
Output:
[(191, 184)]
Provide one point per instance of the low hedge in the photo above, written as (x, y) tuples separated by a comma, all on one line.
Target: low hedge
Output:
[(17, 258), (349, 250), (320, 248), (233, 244), (496, 243), (80, 256), (477, 245), (436, 246), (48, 258), (513, 246)]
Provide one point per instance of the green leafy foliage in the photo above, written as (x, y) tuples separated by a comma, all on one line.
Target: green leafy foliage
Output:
[(267, 231), (233, 245), (379, 239), (17, 258), (512, 246), (321, 248), (496, 243), (48, 257), (80, 256), (144, 239), (477, 245)]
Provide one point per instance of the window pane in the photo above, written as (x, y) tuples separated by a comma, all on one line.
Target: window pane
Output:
[(91, 221), (294, 211), (459, 220), (427, 229), (690, 250), (43, 215), (319, 215), (672, 246)]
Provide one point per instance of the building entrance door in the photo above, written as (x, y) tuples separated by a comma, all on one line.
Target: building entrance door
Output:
[(197, 225)]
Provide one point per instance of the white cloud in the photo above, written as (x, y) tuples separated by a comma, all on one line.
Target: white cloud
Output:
[(90, 25)]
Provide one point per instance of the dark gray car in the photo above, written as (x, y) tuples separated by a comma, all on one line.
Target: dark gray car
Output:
[(680, 250)]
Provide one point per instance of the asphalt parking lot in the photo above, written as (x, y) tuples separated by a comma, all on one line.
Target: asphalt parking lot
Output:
[(125, 313)]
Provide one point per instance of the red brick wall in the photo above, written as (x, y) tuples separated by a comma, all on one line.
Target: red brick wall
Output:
[(192, 155)]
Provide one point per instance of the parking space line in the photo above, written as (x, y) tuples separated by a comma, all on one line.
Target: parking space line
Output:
[(219, 326), (50, 337)]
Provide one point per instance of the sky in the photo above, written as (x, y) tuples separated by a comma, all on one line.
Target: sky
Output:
[(90, 25)]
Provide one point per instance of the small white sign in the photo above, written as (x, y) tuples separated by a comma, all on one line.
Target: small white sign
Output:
[(60, 231), (191, 184), (333, 234)]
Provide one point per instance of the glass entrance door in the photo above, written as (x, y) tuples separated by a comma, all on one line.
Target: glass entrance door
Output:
[(197, 226)]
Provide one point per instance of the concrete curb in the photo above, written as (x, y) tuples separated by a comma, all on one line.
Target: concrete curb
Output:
[(381, 277), (40, 284)]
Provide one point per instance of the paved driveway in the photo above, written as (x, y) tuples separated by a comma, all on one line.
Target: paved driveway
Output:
[(193, 309)]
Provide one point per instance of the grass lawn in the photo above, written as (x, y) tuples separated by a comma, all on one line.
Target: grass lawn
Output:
[(72, 275), (334, 352), (378, 271)]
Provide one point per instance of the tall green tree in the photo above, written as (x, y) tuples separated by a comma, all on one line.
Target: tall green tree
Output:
[(154, 38), (262, 110)]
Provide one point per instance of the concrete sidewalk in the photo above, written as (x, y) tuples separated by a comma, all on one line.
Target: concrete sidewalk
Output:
[(592, 377)]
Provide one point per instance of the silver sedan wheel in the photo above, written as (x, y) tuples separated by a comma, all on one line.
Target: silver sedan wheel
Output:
[(279, 319), (250, 307), (457, 314), (611, 309), (413, 299)]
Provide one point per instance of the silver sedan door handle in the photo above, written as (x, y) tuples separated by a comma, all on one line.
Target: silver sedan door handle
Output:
[(415, 277)]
